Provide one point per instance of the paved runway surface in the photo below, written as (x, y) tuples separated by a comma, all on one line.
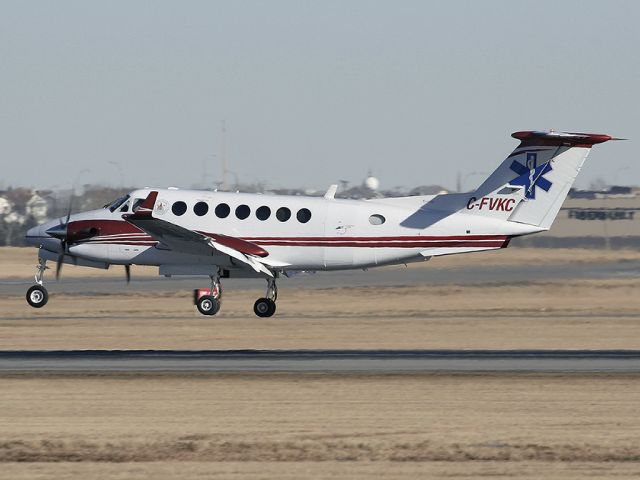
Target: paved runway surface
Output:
[(321, 361)]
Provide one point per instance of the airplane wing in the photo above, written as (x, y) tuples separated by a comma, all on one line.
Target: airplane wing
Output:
[(183, 240)]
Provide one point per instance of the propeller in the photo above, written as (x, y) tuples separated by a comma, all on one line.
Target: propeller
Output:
[(63, 242), (60, 232)]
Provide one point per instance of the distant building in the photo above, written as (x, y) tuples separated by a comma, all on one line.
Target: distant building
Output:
[(428, 190), (37, 207), (5, 206), (596, 219)]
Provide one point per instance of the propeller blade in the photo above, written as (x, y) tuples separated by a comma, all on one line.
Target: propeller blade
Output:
[(59, 263), (61, 232), (127, 272), (69, 211)]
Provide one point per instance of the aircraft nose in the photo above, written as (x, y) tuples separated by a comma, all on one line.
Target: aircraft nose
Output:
[(36, 232), (38, 235)]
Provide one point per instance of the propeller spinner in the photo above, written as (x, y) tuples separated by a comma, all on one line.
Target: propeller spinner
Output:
[(61, 232)]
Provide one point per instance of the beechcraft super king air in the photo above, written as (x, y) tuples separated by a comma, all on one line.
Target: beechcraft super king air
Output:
[(222, 234)]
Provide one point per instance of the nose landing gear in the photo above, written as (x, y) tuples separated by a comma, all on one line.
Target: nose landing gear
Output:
[(266, 307), (37, 296)]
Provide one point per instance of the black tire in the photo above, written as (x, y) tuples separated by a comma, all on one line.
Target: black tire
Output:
[(264, 307), (37, 296), (208, 305)]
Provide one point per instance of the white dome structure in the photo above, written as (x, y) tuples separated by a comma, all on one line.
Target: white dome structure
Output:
[(372, 183)]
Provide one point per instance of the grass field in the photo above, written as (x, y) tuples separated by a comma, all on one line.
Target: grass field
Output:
[(578, 314), (318, 426)]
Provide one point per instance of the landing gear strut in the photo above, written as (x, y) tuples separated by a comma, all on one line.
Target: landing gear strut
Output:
[(210, 304), (37, 295), (266, 307)]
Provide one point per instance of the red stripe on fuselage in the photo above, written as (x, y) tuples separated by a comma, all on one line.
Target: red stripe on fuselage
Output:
[(123, 233), (404, 237), (397, 244)]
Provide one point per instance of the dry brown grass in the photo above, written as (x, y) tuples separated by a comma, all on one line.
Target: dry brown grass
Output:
[(576, 314), (322, 470), (265, 425), (317, 426)]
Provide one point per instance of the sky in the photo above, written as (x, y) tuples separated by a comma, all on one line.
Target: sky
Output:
[(311, 92)]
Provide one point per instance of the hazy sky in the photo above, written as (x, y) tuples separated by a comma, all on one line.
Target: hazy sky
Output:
[(311, 92)]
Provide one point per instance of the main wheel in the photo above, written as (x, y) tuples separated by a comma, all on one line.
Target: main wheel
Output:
[(37, 296), (264, 307), (208, 305)]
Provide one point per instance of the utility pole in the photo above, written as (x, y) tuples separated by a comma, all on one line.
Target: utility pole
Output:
[(223, 155)]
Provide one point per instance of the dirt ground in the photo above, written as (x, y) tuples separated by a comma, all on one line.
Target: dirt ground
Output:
[(320, 426)]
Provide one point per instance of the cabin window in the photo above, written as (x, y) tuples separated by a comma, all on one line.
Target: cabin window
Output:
[(303, 215), (179, 208), (201, 208), (283, 214), (377, 219), (243, 211), (223, 210), (263, 212)]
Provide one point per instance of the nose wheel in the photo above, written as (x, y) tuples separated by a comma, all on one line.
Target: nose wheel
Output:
[(266, 306), (37, 296)]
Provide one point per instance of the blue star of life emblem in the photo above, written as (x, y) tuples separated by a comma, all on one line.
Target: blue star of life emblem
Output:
[(531, 175)]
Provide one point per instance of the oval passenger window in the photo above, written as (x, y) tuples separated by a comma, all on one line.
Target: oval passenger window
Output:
[(263, 212), (283, 214), (303, 215), (243, 211), (223, 210), (201, 208), (178, 208), (376, 219)]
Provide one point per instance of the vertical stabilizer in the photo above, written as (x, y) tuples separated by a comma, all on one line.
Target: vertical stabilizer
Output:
[(544, 166)]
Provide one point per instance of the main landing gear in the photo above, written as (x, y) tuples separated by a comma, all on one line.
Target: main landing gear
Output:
[(208, 300), (266, 307), (37, 295), (209, 304)]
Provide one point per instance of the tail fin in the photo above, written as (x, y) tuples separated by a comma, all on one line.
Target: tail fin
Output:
[(544, 166)]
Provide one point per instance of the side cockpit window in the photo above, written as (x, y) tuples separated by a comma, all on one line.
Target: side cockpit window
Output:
[(117, 204), (136, 203)]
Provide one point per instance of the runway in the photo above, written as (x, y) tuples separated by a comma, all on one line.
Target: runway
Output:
[(322, 361)]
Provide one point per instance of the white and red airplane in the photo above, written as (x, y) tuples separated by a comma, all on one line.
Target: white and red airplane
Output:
[(222, 234)]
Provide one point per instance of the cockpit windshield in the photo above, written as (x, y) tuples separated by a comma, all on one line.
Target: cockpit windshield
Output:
[(117, 204)]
